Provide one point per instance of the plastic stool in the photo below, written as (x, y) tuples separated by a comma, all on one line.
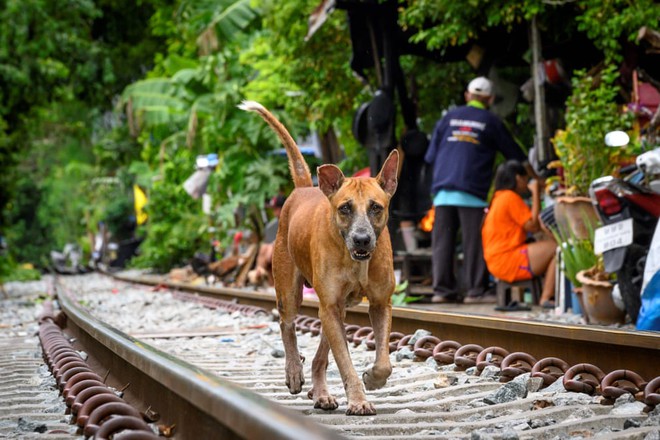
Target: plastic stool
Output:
[(504, 290)]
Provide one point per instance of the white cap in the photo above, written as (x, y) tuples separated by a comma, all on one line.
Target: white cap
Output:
[(480, 86)]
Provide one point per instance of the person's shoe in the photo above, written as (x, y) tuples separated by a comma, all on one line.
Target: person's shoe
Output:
[(481, 299), (548, 305), (514, 306), (441, 299)]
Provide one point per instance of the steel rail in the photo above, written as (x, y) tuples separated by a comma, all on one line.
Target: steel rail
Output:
[(198, 403), (608, 348)]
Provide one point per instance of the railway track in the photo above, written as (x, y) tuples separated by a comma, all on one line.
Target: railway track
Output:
[(172, 362), (609, 348)]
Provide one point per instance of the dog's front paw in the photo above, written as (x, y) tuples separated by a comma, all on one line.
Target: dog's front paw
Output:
[(323, 400), (361, 408), (295, 377), (372, 381)]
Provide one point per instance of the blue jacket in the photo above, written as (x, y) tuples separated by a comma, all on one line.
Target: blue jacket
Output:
[(463, 149)]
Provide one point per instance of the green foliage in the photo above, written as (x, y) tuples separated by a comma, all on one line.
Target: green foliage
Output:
[(456, 23), (608, 23), (11, 271), (310, 79), (58, 74), (48, 209), (591, 112), (119, 216), (577, 254), (180, 68), (178, 117), (176, 225), (42, 50), (400, 298)]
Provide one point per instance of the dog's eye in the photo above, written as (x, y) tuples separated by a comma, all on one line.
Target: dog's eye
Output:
[(375, 209), (345, 209)]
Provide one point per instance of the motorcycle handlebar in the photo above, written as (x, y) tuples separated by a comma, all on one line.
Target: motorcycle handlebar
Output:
[(628, 169)]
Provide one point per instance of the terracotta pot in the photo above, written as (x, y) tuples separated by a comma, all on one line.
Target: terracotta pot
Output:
[(575, 214), (597, 301)]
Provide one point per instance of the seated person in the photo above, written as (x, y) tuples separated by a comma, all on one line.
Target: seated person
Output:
[(504, 234), (263, 271)]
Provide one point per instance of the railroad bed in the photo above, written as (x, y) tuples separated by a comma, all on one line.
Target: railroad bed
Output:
[(30, 404), (242, 344), (420, 400)]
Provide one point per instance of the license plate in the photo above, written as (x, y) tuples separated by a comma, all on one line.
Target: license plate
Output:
[(613, 236)]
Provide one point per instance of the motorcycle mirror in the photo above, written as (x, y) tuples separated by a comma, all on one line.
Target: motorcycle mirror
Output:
[(617, 139)]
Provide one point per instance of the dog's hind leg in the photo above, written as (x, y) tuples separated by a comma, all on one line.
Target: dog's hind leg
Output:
[(319, 392), (380, 314), (289, 297)]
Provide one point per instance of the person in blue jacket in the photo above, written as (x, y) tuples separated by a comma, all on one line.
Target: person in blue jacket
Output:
[(462, 153)]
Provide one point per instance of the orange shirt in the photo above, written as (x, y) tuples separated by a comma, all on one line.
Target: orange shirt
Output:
[(503, 232)]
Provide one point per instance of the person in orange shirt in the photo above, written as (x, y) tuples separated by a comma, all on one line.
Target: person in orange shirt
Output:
[(508, 255)]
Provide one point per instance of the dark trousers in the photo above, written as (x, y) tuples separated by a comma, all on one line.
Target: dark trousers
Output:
[(448, 221)]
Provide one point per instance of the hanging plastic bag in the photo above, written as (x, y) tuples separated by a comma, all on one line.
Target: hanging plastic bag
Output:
[(649, 314)]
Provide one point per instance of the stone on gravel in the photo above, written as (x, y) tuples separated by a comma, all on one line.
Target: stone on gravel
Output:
[(448, 367), (570, 398), (654, 435), (28, 426), (581, 414), (404, 353), (507, 393), (632, 408), (443, 381), (430, 433), (556, 387), (654, 418), (534, 384), (431, 363), (490, 371), (509, 434), (463, 379), (479, 435), (477, 403), (419, 333), (472, 371), (540, 423), (623, 399), (522, 379)]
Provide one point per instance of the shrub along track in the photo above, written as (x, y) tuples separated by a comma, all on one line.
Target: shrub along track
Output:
[(497, 397)]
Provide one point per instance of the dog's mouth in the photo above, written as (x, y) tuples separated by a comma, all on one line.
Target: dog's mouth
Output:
[(360, 255)]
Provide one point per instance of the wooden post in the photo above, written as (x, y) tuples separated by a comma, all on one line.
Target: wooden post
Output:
[(539, 96)]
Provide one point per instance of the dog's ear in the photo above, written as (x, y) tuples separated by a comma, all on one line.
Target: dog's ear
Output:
[(330, 179), (387, 177)]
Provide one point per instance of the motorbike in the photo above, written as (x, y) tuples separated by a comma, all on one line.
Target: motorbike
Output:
[(629, 208)]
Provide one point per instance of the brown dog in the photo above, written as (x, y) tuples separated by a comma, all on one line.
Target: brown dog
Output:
[(334, 238)]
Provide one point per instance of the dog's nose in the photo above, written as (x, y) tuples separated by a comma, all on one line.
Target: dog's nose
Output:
[(361, 239)]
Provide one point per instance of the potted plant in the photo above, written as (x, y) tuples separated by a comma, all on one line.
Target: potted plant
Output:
[(597, 296), (591, 112), (588, 277)]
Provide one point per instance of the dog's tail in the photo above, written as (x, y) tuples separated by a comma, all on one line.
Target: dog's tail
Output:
[(299, 169)]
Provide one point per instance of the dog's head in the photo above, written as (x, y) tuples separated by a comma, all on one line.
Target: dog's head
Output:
[(360, 205)]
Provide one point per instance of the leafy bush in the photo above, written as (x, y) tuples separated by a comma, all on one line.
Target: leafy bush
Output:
[(176, 227), (591, 112), (11, 271), (577, 254)]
